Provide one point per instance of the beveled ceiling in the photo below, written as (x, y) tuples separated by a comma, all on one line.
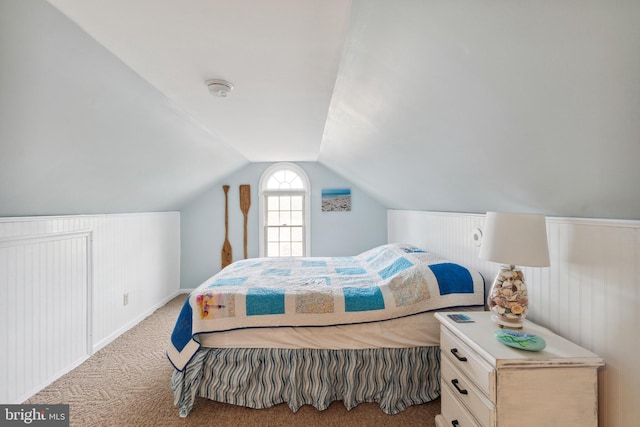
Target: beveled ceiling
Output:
[(281, 56), (468, 106)]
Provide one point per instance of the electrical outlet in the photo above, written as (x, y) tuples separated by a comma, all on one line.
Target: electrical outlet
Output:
[(125, 299)]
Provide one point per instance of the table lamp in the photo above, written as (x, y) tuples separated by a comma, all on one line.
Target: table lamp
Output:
[(513, 239)]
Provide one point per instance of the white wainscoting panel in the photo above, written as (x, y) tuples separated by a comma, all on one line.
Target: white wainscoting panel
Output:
[(447, 235), (63, 282), (590, 294), (45, 310)]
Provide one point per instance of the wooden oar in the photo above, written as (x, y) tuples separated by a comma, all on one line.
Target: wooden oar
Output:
[(226, 247), (245, 204)]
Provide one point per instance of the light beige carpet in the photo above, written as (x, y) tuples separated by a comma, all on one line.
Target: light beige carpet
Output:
[(127, 384)]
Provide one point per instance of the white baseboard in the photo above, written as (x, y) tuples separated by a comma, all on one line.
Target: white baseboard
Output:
[(109, 339), (36, 389)]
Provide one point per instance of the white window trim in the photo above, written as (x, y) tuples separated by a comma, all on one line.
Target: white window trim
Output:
[(307, 202)]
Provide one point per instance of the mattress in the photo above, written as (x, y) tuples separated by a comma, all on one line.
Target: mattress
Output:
[(419, 330)]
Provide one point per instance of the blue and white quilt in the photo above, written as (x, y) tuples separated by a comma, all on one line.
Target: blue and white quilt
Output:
[(386, 282)]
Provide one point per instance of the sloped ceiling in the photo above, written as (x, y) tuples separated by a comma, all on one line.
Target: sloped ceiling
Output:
[(281, 56), (488, 105), (431, 105)]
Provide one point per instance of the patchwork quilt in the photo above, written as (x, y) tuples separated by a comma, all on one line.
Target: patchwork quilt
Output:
[(383, 283)]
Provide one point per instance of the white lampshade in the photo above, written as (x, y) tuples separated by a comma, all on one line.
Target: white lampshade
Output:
[(515, 239)]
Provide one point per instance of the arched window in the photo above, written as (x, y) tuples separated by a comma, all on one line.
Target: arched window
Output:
[(284, 211)]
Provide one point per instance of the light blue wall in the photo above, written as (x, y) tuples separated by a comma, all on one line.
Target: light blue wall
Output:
[(81, 133), (332, 233)]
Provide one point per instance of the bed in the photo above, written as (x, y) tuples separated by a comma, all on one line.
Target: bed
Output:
[(313, 330)]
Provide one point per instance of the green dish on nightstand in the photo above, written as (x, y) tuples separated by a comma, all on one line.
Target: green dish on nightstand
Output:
[(520, 340)]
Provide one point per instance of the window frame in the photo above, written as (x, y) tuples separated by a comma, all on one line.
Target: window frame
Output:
[(262, 205)]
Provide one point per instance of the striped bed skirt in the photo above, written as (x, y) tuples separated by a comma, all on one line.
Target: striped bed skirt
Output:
[(263, 377)]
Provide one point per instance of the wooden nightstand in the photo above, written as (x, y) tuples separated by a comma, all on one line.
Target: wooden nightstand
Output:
[(486, 383)]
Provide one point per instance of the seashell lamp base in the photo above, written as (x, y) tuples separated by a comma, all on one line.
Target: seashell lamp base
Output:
[(508, 299)]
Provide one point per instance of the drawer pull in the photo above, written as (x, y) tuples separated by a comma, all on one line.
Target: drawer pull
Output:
[(454, 351), (460, 390), (454, 423)]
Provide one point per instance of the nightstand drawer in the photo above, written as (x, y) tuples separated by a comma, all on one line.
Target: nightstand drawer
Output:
[(469, 363), (481, 407), (453, 412)]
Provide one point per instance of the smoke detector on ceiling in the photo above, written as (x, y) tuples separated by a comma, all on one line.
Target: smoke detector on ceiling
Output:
[(219, 88)]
